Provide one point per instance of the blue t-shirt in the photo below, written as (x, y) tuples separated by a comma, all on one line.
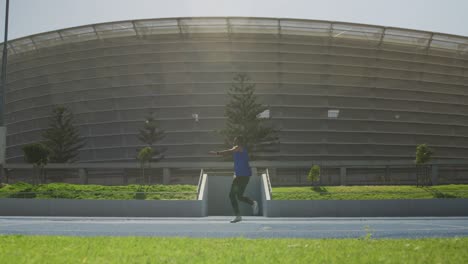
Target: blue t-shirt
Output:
[(241, 163)]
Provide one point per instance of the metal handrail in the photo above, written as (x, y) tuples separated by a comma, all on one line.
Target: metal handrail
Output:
[(268, 182), (199, 182)]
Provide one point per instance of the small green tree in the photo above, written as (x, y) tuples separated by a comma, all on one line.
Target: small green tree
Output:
[(150, 134), (38, 155), (62, 137), (423, 155), (144, 156), (314, 175), (243, 118)]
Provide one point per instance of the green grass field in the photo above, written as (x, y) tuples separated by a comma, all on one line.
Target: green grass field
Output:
[(56, 249), (369, 192), (99, 192)]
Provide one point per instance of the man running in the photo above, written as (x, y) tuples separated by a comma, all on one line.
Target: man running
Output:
[(242, 176)]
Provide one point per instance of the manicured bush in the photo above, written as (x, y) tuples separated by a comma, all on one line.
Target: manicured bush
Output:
[(99, 192)]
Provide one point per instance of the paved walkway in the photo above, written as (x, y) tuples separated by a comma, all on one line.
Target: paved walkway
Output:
[(251, 227)]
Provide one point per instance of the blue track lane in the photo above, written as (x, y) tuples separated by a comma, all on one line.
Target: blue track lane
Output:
[(250, 227)]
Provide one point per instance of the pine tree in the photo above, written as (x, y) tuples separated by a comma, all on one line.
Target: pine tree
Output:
[(62, 137), (242, 113), (151, 134)]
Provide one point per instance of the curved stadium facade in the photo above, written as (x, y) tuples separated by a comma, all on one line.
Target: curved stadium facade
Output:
[(337, 91)]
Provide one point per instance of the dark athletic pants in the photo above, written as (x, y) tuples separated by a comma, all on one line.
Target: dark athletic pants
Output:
[(237, 191)]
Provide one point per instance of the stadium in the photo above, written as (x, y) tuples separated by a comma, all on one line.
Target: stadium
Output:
[(336, 91), (351, 105)]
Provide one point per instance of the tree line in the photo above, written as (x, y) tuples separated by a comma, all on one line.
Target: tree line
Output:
[(61, 141)]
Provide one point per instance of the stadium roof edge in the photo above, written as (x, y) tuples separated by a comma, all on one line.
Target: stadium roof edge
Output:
[(280, 26)]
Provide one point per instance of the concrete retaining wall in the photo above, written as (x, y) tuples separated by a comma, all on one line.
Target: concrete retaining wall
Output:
[(122, 208), (67, 207), (367, 208), (359, 208)]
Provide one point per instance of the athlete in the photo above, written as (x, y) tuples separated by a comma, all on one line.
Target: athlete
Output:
[(243, 172)]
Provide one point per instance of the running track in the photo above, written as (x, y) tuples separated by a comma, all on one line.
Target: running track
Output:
[(251, 227)]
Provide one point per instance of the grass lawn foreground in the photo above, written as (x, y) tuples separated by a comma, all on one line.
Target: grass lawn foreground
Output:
[(370, 192), (60, 249)]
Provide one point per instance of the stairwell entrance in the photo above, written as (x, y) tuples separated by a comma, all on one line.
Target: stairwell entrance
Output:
[(219, 185)]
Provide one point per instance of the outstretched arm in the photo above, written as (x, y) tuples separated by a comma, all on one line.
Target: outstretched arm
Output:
[(226, 151)]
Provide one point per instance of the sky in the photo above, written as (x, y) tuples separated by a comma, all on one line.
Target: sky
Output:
[(35, 16)]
